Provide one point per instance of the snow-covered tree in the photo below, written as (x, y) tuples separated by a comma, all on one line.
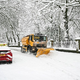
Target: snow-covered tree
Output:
[(64, 6), (58, 19)]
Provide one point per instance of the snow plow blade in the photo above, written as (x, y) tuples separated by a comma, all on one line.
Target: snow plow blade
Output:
[(43, 51)]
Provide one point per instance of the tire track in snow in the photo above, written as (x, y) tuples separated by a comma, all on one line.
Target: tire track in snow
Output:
[(56, 64)]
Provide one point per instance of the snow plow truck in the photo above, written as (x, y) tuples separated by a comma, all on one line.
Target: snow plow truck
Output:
[(36, 44)]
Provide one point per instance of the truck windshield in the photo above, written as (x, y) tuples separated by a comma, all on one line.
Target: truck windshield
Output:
[(40, 38)]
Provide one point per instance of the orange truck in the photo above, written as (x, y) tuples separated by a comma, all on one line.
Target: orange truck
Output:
[(36, 44)]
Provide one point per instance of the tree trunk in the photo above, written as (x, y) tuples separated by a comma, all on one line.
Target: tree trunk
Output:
[(13, 36), (18, 40), (66, 22), (66, 25), (8, 39)]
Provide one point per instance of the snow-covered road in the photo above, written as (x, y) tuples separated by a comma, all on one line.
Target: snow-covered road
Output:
[(54, 66)]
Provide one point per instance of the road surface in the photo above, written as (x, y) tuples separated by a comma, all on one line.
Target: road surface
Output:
[(54, 66)]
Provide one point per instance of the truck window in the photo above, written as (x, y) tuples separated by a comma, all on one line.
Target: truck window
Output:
[(40, 38), (30, 38)]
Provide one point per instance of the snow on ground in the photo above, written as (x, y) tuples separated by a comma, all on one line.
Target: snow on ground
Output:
[(54, 66)]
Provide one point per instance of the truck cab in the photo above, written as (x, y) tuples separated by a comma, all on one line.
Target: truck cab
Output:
[(34, 41)]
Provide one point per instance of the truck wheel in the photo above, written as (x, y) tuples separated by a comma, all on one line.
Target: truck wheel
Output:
[(29, 49), (33, 49), (23, 50)]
